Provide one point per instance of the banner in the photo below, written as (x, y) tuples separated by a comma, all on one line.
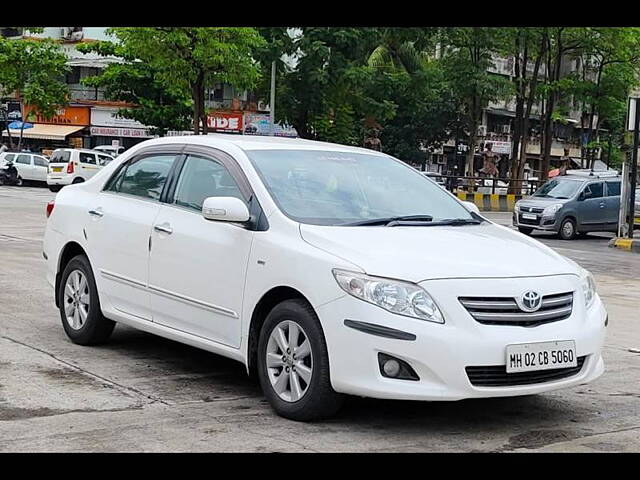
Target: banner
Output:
[(225, 122), (260, 124)]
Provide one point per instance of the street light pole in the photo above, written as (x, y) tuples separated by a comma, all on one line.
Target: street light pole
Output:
[(634, 169), (272, 101)]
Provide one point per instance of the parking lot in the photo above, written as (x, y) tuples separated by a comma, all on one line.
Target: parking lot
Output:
[(144, 393)]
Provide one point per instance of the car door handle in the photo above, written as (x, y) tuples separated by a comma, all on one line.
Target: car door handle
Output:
[(163, 227), (96, 212)]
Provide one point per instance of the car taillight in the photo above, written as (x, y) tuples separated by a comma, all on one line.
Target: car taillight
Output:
[(70, 167), (50, 206)]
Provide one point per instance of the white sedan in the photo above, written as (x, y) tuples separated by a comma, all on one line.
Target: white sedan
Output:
[(30, 166), (327, 270)]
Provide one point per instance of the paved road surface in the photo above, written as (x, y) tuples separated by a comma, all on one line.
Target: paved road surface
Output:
[(144, 393)]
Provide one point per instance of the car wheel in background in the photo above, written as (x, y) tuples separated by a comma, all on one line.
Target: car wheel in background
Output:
[(567, 229), (55, 188), (293, 363), (80, 311), (78, 180)]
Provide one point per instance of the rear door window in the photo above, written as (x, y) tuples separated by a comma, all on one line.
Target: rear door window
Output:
[(60, 156), (40, 162), (143, 177), (613, 189), (89, 158)]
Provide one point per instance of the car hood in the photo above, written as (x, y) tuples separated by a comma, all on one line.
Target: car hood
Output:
[(425, 253), (541, 201)]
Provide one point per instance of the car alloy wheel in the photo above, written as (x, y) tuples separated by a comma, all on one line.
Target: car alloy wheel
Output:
[(289, 361), (76, 299), (568, 229)]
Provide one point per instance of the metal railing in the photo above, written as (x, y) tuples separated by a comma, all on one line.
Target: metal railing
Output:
[(496, 185)]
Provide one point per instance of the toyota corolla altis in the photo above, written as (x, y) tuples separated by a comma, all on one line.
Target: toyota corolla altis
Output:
[(327, 270)]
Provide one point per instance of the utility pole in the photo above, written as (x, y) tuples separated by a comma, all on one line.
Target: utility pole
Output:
[(272, 101), (634, 168)]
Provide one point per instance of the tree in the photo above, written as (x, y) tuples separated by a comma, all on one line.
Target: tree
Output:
[(132, 81), (186, 60), (467, 54), (35, 71)]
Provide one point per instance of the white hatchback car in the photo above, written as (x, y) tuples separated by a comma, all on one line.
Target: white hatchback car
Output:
[(71, 165), (30, 166), (325, 269)]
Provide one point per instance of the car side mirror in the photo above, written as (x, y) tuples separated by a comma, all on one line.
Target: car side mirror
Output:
[(225, 209), (471, 207)]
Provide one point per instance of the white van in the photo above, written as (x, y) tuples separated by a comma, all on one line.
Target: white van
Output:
[(30, 166), (71, 165)]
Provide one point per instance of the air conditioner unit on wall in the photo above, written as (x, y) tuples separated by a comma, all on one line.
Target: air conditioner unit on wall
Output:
[(482, 130)]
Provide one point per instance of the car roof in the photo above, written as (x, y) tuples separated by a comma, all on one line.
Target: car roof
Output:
[(258, 142)]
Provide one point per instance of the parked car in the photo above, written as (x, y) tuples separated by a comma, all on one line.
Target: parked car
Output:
[(325, 269), (111, 150), (572, 204), (30, 166), (69, 165)]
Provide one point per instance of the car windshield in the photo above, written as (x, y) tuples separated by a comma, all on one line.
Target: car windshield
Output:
[(558, 189), (60, 156), (339, 188)]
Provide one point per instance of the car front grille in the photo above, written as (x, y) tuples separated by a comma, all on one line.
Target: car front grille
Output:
[(528, 221), (497, 376), (505, 310)]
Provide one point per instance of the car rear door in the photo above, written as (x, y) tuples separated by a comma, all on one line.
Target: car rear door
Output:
[(23, 165), (591, 209), (119, 224), (40, 168), (87, 165)]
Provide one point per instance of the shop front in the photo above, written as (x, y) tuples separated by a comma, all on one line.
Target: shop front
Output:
[(68, 127)]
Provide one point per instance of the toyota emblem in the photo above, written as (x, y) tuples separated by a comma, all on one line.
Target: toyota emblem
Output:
[(531, 301)]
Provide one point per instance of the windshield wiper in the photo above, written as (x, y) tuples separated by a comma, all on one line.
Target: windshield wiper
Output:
[(446, 221), (387, 220)]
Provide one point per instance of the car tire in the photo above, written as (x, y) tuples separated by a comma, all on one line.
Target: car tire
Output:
[(80, 311), (55, 188), (78, 180), (317, 398), (567, 229), (19, 181), (525, 230)]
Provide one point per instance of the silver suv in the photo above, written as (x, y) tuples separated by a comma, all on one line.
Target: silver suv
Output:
[(572, 204)]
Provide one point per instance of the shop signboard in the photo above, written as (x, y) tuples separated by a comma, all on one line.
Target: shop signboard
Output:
[(119, 132), (71, 115), (260, 124), (499, 147), (229, 122)]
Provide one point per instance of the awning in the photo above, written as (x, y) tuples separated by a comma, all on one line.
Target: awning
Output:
[(44, 131)]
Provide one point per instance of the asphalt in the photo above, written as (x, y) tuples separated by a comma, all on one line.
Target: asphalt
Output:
[(144, 393)]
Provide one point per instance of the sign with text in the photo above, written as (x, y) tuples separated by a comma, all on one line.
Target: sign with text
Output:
[(260, 124), (71, 115), (119, 132), (499, 147), (225, 122)]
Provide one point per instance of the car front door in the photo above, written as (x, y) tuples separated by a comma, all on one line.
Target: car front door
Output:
[(118, 227), (23, 165), (197, 267), (612, 204), (591, 208), (87, 165)]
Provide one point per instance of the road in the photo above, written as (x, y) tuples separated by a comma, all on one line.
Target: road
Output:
[(144, 393)]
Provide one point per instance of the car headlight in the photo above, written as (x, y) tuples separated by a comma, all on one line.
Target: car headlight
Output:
[(551, 210), (588, 287), (395, 296), (516, 207)]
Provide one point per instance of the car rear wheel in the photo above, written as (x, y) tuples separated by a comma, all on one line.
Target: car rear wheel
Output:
[(525, 230), (568, 229), (293, 363), (80, 311)]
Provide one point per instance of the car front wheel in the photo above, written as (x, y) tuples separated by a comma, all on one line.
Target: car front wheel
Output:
[(568, 229), (293, 363), (80, 311)]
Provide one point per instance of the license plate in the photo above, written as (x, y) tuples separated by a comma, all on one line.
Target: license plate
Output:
[(526, 357), (56, 169), (530, 216)]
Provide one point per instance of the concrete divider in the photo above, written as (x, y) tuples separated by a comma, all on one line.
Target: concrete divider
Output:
[(491, 202)]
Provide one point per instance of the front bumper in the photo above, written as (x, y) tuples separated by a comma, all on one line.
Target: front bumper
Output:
[(550, 224), (440, 352)]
